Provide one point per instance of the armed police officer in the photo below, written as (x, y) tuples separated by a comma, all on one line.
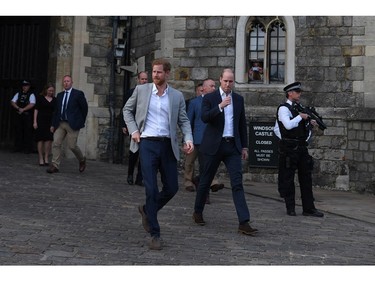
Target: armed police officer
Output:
[(294, 130)]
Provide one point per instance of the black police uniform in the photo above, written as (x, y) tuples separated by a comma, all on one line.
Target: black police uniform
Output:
[(294, 155), (24, 124)]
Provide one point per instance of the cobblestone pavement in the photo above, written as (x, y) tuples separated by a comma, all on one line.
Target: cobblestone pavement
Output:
[(91, 218)]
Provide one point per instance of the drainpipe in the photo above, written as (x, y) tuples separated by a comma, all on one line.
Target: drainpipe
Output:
[(111, 96), (126, 85)]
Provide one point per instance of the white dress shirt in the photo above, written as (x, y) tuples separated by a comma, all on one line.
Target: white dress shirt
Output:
[(157, 120), (228, 115), (67, 99), (285, 116)]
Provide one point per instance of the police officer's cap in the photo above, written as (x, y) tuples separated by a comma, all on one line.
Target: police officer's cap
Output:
[(25, 83), (296, 86)]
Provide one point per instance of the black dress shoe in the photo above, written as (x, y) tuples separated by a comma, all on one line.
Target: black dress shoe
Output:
[(291, 213), (217, 187), (313, 213), (198, 219), (139, 180), (140, 183), (130, 180)]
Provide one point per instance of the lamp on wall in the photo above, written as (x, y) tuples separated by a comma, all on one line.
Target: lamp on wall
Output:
[(119, 53), (119, 50)]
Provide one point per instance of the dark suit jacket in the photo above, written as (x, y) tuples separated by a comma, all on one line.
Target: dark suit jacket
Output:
[(76, 110), (121, 117), (214, 118), (196, 123)]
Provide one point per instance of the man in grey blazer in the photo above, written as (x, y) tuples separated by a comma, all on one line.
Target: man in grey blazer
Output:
[(152, 115)]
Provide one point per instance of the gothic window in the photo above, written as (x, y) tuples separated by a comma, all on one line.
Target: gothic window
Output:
[(266, 50), (277, 51), (269, 44), (256, 52)]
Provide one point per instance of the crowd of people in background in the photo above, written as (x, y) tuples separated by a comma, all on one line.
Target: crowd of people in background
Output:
[(47, 120)]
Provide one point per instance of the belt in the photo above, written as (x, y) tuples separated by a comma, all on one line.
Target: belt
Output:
[(294, 141), (157, 138), (228, 139)]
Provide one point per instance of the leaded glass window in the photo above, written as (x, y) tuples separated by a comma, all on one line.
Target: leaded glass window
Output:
[(266, 50)]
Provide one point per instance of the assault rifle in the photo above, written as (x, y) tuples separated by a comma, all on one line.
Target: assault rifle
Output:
[(312, 113)]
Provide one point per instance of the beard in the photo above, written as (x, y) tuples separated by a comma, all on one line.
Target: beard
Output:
[(158, 81)]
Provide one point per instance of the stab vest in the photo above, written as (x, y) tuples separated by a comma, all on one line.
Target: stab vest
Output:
[(299, 133), (23, 99)]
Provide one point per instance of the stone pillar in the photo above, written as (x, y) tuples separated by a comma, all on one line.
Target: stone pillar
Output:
[(88, 136)]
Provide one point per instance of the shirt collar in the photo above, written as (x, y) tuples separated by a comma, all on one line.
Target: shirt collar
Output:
[(222, 93), (155, 90)]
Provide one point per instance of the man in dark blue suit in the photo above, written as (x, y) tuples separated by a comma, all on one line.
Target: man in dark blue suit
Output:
[(69, 118), (224, 139), (198, 127)]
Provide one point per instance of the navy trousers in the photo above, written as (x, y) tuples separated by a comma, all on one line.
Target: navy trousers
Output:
[(157, 156), (228, 154)]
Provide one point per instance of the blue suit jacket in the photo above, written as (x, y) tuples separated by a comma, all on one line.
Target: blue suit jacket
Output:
[(76, 110), (194, 115), (214, 119)]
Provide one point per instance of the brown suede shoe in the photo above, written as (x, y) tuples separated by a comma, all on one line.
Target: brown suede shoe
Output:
[(247, 229), (198, 219), (217, 187), (155, 243), (52, 169), (82, 165), (145, 223)]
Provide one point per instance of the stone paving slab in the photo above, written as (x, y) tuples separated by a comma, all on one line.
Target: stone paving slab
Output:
[(70, 218)]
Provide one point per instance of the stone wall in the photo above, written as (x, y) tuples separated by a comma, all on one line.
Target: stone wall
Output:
[(330, 58), (144, 43), (360, 152)]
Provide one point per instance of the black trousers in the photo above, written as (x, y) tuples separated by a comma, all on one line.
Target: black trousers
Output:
[(292, 158), (133, 158), (24, 132)]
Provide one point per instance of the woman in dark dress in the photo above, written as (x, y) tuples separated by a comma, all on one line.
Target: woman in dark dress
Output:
[(44, 108)]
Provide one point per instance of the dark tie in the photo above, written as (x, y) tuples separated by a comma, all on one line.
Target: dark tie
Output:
[(63, 114)]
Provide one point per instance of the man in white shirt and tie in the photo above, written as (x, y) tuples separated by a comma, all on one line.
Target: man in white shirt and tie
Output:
[(69, 117)]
